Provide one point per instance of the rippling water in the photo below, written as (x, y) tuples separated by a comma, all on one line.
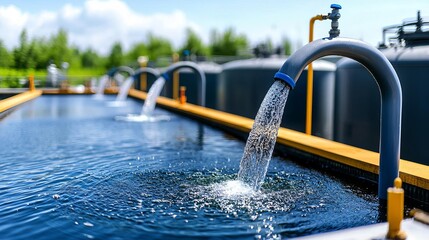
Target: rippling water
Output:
[(70, 171)]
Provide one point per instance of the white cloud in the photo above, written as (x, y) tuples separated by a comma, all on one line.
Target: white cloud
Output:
[(12, 20), (96, 24)]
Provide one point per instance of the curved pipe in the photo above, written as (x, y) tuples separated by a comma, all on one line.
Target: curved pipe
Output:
[(152, 71), (186, 64), (389, 86), (126, 69)]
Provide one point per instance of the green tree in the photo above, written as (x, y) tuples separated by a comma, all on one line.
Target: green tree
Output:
[(39, 52), (158, 46), (194, 44), (137, 50), (228, 43), (59, 50), (90, 59), (116, 57), (20, 53), (6, 58), (75, 60)]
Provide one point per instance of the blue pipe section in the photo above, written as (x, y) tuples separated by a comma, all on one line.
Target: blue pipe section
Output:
[(389, 86), (285, 78), (166, 76), (197, 69)]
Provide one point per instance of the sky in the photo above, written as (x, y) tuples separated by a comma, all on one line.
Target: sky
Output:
[(97, 24)]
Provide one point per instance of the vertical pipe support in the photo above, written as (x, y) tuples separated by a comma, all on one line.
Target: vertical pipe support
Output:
[(309, 100), (175, 95), (143, 60), (31, 83), (390, 91)]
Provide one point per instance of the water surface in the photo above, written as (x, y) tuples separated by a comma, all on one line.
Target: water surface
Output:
[(69, 170)]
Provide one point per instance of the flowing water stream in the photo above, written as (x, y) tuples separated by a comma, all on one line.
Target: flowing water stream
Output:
[(102, 84), (148, 106), (262, 138)]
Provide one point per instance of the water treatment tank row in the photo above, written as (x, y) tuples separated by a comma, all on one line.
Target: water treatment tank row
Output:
[(239, 87), (346, 98)]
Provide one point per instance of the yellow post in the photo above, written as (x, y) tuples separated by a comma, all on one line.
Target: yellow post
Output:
[(31, 82), (143, 60), (182, 98), (309, 105), (395, 210), (175, 78)]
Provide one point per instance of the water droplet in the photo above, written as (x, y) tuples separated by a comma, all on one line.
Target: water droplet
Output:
[(88, 236), (88, 224)]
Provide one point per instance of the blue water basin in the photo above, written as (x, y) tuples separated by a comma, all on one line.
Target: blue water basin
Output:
[(69, 170)]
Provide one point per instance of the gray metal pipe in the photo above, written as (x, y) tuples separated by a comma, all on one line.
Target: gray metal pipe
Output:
[(186, 64), (152, 71), (389, 86), (126, 69)]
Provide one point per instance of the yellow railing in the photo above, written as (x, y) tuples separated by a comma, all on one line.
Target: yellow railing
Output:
[(20, 98)]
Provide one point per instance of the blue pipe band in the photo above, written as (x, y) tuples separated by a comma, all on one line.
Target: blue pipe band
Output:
[(166, 76), (285, 78), (112, 72)]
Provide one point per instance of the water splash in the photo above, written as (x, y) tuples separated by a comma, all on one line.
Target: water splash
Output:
[(154, 91), (102, 84), (233, 189), (142, 118), (262, 138)]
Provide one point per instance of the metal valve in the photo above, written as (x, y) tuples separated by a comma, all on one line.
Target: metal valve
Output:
[(334, 16)]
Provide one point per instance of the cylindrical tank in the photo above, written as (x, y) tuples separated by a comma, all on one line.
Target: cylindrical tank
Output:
[(244, 83), (357, 102), (190, 80)]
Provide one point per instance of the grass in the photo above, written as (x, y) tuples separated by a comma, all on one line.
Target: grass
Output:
[(16, 78)]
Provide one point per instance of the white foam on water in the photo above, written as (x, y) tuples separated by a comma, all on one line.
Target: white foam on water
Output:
[(233, 189)]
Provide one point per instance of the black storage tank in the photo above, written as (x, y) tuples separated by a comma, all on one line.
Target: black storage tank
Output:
[(244, 83), (357, 101)]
